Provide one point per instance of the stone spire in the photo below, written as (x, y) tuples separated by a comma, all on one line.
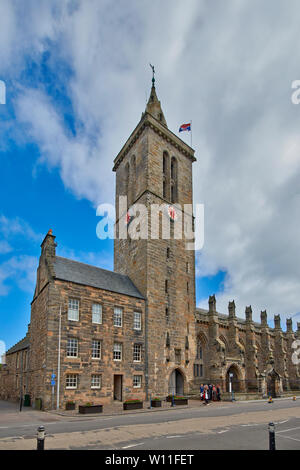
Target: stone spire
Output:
[(289, 325), (153, 106), (248, 313), (263, 318), (277, 322), (212, 304), (231, 310)]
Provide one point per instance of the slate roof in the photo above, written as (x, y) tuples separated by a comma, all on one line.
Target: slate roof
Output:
[(87, 275), (23, 344)]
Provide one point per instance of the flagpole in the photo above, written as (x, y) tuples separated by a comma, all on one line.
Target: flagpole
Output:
[(191, 135)]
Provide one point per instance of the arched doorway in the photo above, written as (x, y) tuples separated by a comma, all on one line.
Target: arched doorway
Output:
[(176, 383), (272, 383), (233, 375)]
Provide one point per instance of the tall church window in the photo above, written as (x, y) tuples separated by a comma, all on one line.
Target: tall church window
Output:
[(201, 355), (199, 350), (127, 183), (133, 180), (198, 370), (174, 178), (166, 175)]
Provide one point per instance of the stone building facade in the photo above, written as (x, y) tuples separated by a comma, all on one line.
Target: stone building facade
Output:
[(100, 336)]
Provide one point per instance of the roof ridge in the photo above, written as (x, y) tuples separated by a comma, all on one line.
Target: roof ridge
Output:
[(86, 274), (92, 266)]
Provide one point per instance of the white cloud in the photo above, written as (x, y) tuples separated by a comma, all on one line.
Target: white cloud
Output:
[(11, 227), (16, 270), (4, 247), (20, 270), (229, 68)]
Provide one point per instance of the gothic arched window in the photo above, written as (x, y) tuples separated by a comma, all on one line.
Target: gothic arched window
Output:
[(174, 180), (133, 180), (201, 356), (199, 353), (166, 175), (127, 183)]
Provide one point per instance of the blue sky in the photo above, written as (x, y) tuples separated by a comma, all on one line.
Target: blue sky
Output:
[(77, 76)]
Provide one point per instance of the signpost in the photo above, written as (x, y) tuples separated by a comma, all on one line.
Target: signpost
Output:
[(53, 383)]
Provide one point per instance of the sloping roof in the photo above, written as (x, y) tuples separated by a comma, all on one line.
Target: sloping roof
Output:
[(87, 275), (23, 344)]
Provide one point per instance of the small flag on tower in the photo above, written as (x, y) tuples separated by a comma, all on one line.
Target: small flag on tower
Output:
[(185, 127)]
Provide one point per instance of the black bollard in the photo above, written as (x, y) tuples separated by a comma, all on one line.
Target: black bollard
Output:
[(41, 438), (272, 445)]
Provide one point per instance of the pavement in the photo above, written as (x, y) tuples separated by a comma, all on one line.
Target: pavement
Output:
[(224, 425), (116, 408)]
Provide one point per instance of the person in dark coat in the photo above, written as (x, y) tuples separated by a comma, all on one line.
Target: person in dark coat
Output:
[(210, 392), (218, 392), (202, 392)]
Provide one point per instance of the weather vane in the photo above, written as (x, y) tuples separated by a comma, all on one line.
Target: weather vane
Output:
[(153, 72)]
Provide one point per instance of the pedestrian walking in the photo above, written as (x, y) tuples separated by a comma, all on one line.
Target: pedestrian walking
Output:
[(202, 392), (214, 393), (206, 390)]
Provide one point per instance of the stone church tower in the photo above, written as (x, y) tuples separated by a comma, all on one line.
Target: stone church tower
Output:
[(154, 167)]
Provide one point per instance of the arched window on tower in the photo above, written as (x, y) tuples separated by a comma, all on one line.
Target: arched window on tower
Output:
[(133, 180), (174, 180), (166, 175), (127, 183)]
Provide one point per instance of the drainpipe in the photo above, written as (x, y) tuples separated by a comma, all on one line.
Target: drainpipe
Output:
[(58, 361), (146, 352)]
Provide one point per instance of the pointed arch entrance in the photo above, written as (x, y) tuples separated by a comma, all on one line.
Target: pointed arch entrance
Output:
[(273, 382), (176, 382), (233, 374)]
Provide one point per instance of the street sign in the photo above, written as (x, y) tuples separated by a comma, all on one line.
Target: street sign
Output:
[(53, 383), (53, 376)]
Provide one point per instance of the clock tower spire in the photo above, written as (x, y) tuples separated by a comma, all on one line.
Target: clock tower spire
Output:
[(154, 169)]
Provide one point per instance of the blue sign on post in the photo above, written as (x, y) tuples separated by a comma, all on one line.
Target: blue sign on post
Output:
[(52, 382), (53, 376)]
